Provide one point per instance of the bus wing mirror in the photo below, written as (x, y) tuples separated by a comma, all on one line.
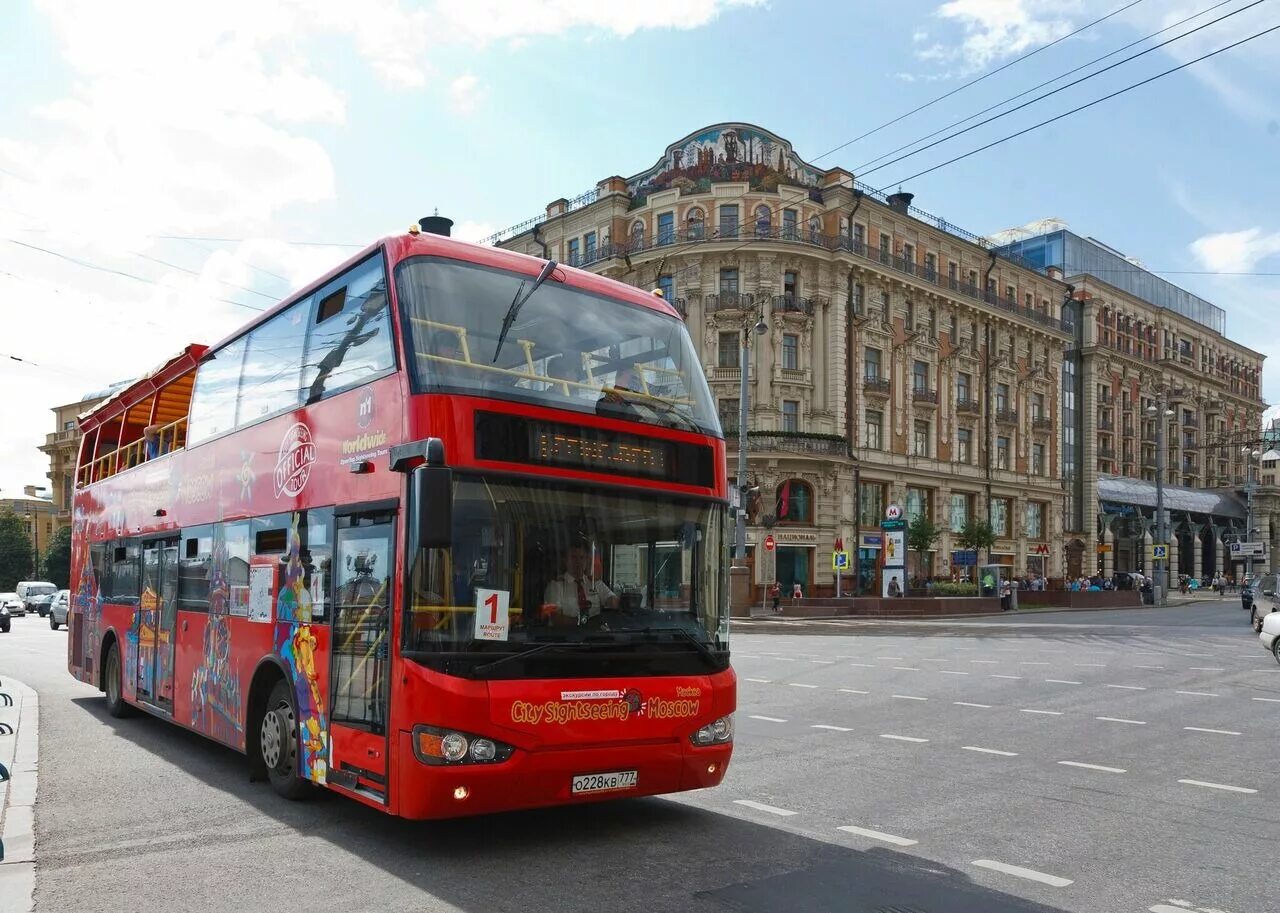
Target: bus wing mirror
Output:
[(432, 503)]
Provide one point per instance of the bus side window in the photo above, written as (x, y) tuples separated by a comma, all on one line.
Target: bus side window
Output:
[(195, 562), (349, 339), (101, 568), (235, 537), (315, 529), (124, 555)]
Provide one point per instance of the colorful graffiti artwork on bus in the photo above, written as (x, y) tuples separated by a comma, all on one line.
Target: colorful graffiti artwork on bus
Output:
[(87, 599), (297, 645), (217, 708)]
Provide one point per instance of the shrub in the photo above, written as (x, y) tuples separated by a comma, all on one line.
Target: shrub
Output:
[(955, 589)]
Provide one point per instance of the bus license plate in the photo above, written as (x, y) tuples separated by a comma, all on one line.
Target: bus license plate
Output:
[(599, 783)]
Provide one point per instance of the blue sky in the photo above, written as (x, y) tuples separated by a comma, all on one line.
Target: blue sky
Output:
[(328, 122)]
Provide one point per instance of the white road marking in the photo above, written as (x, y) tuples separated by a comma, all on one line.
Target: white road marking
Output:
[(1158, 668), (865, 665), (767, 719), (852, 691), (986, 662), (1116, 719), (1268, 700), (1003, 754), (1099, 665), (1006, 676), (947, 660), (1024, 663), (949, 672), (760, 681), (783, 659), (1062, 681), (908, 697), (823, 662), (761, 807), (967, 704), (1146, 653), (906, 668), (877, 835), (1045, 712), (1230, 789), (1109, 770), (897, 658), (901, 738), (1214, 731), (1200, 655), (1197, 693), (1019, 872), (832, 728), (1207, 669), (801, 685), (1126, 687)]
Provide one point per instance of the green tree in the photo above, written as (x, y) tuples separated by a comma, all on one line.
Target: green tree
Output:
[(922, 533), (977, 536), (57, 559), (15, 551)]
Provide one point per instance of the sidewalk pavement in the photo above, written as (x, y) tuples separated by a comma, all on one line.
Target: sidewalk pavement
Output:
[(19, 744), (1172, 600)]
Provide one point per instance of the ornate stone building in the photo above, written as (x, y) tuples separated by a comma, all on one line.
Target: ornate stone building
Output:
[(904, 361), (62, 446)]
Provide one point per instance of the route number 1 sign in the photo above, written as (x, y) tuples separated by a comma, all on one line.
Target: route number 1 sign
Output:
[(493, 622)]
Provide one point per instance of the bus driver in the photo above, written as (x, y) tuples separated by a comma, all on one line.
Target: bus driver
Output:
[(576, 594)]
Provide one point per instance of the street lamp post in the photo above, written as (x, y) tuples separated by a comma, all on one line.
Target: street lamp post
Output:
[(1249, 483), (744, 361), (1161, 566)]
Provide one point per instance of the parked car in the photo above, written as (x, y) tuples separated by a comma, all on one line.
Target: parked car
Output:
[(30, 590), (58, 607), (13, 602), (40, 604), (1270, 634), (1261, 587)]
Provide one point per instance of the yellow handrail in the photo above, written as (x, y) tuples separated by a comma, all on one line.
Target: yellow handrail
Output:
[(172, 436)]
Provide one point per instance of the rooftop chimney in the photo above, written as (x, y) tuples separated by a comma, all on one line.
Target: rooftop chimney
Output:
[(436, 225), (900, 201)]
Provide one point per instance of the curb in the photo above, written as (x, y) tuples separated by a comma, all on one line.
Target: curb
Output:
[(1180, 603), (19, 752)]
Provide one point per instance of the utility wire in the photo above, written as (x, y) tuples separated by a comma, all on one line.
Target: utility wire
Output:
[(1025, 92), (1079, 108), (1063, 88)]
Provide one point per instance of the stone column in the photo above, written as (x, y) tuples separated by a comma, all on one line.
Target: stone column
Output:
[(1197, 548), (1221, 551), (1148, 566), (1173, 557), (1109, 556)]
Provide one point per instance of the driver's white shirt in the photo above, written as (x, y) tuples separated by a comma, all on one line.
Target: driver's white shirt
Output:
[(563, 592)]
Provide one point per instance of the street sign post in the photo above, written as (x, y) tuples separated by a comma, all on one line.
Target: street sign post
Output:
[(1248, 549), (1160, 553)]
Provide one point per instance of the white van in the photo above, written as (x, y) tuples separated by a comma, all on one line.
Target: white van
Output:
[(28, 590)]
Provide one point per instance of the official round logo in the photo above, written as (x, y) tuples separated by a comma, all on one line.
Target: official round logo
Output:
[(364, 410), (893, 512), (293, 463), (633, 700)]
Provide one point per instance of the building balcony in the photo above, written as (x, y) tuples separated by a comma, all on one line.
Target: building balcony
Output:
[(876, 386), (1106, 453), (791, 304), (1190, 422), (924, 397), (1106, 424), (968, 406), (1007, 416), (726, 374), (1042, 423), (731, 301), (791, 442)]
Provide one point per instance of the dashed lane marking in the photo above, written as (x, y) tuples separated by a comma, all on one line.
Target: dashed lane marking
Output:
[(901, 738), (1127, 687), (1108, 770), (1007, 676), (1003, 754), (950, 672), (1222, 786), (767, 719), (1156, 668), (1025, 663), (823, 662), (1197, 693), (832, 728), (1062, 681), (877, 835), (908, 697), (968, 704), (1098, 665), (1045, 712), (1213, 731), (906, 669), (759, 681), (865, 665), (986, 662), (1116, 719), (1018, 871), (801, 685), (761, 807), (852, 691), (1207, 669), (1268, 700)]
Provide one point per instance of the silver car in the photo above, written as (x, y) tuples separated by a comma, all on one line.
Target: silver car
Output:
[(13, 602), (58, 607)]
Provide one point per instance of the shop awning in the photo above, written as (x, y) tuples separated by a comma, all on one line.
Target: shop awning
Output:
[(1140, 493)]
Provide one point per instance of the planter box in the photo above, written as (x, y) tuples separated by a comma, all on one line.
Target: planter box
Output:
[(1104, 599), (877, 607)]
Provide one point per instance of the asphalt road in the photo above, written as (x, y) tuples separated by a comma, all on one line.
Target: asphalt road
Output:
[(1091, 762)]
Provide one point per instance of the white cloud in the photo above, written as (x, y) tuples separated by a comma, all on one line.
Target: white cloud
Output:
[(466, 93), (469, 230), (996, 29), (484, 21), (1235, 251)]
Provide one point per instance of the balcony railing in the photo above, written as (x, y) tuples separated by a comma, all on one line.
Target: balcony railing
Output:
[(921, 395), (968, 406), (1106, 424), (1042, 423), (731, 301), (1106, 453), (1007, 416), (793, 442), (790, 304), (876, 385)]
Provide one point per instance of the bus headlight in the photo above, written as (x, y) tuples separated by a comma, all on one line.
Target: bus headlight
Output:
[(715, 733), (437, 746)]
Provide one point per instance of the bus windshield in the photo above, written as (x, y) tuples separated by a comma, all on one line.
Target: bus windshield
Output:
[(571, 563), (567, 348)]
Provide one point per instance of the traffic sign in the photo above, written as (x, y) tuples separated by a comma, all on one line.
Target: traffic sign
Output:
[(1248, 549), (840, 561), (893, 512), (1160, 553), (770, 543)]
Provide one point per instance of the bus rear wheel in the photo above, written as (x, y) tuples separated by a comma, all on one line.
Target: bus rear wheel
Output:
[(113, 684), (278, 743)]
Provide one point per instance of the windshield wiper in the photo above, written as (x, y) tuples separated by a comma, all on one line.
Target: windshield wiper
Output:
[(688, 635), (658, 406), (518, 302), (536, 649)]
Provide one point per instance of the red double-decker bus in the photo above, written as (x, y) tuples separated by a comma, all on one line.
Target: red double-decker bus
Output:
[(443, 532)]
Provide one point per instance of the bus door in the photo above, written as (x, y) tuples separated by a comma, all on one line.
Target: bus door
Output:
[(360, 671), (157, 611)]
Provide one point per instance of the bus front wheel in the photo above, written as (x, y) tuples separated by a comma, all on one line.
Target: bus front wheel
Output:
[(278, 743)]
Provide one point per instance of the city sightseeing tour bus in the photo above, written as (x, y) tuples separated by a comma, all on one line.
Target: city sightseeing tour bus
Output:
[(444, 532)]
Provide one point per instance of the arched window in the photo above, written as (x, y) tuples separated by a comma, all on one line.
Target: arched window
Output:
[(763, 219), (795, 502), (697, 224), (637, 233)]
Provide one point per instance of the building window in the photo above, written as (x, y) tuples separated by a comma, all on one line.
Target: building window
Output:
[(933, 325), (637, 233), (1035, 520), (1002, 453), (815, 229), (667, 286), (790, 352), (729, 351), (795, 502), (931, 266), (1002, 397), (1037, 406), (960, 505), (729, 415), (884, 308), (920, 438), (1037, 459), (874, 425), (857, 297), (999, 516), (790, 286), (728, 282), (964, 446), (919, 504), (973, 280), (574, 255), (920, 376), (789, 224), (666, 227), (1011, 294), (953, 275), (884, 247), (871, 363), (764, 219), (697, 224), (962, 388), (909, 258), (909, 320), (589, 247), (870, 503), (790, 416), (729, 220)]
